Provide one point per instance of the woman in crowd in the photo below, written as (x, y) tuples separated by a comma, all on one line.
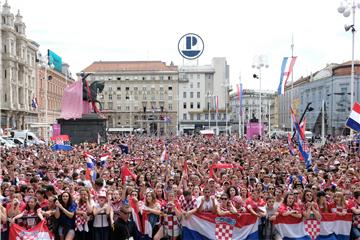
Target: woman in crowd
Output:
[(309, 206), (31, 215), (153, 209), (84, 209), (65, 213), (322, 202), (42, 199), (289, 207), (339, 205), (171, 214), (235, 199), (101, 213), (225, 207)]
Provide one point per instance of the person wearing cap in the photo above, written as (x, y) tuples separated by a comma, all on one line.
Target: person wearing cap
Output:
[(101, 212)]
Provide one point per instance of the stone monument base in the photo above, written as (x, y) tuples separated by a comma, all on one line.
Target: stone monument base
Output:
[(90, 128)]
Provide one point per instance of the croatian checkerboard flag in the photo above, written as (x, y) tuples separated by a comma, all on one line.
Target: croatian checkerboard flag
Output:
[(331, 227), (353, 121), (286, 69), (209, 226)]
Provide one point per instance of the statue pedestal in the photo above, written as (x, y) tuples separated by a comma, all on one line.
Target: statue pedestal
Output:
[(89, 128)]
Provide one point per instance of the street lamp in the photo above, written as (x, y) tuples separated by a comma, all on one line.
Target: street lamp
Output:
[(345, 9), (209, 96), (259, 63), (44, 62)]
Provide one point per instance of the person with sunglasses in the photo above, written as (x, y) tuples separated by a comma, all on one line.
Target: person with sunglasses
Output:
[(225, 207), (309, 206)]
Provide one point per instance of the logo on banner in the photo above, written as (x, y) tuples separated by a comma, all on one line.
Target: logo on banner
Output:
[(224, 228), (312, 227), (191, 46)]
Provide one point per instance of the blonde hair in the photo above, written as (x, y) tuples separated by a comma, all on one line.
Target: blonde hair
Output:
[(342, 198)]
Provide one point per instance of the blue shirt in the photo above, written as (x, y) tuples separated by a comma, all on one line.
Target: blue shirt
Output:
[(65, 220)]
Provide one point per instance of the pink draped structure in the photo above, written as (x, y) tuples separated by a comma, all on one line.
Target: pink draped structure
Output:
[(72, 101)]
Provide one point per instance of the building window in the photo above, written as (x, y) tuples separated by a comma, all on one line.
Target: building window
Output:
[(170, 88), (198, 84), (118, 107), (5, 73), (191, 85), (5, 98), (170, 98), (127, 108), (198, 76), (198, 95), (127, 97), (118, 88), (127, 88), (118, 78), (184, 116), (191, 95), (198, 105), (161, 77), (110, 89), (206, 116), (110, 97), (169, 77), (213, 116), (198, 116), (118, 97), (184, 93), (170, 106), (184, 105), (110, 106), (191, 105), (161, 96), (191, 116)]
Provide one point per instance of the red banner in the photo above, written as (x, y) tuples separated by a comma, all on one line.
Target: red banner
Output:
[(40, 231)]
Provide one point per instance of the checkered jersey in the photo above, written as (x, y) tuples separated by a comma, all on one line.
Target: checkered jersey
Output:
[(312, 227), (170, 220), (187, 205)]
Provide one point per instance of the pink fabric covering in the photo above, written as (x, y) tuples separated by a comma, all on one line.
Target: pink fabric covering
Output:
[(72, 101), (86, 107)]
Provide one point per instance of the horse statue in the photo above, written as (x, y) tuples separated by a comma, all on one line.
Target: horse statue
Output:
[(90, 92)]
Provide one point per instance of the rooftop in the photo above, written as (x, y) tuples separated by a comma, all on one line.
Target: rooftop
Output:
[(129, 66)]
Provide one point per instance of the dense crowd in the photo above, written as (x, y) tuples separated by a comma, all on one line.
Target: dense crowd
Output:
[(263, 179)]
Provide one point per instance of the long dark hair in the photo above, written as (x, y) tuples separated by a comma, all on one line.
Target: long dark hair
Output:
[(232, 187), (36, 207), (69, 203), (285, 201)]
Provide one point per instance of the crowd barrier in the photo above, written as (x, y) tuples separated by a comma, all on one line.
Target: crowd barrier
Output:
[(244, 226)]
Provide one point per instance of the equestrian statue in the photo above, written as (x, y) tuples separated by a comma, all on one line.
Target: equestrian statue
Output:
[(90, 92)]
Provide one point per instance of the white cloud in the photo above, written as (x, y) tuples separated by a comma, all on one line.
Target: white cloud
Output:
[(85, 31)]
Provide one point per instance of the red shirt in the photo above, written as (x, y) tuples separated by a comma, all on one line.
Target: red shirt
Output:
[(255, 204), (284, 208)]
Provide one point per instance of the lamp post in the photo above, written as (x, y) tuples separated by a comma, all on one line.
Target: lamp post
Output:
[(345, 9), (259, 63), (44, 62), (209, 96)]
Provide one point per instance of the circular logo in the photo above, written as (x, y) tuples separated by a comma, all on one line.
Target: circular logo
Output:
[(191, 46)]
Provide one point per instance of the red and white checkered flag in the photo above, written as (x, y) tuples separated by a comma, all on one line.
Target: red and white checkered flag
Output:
[(224, 228), (312, 227)]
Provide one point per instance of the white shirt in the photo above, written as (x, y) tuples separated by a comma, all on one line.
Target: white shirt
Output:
[(100, 220), (208, 206)]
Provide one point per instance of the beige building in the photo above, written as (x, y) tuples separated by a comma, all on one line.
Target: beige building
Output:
[(138, 95), (56, 84), (18, 72)]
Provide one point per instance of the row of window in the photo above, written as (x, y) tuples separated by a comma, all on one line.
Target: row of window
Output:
[(144, 88), (191, 94), (122, 78), (192, 105), (205, 116), (110, 106), (152, 97)]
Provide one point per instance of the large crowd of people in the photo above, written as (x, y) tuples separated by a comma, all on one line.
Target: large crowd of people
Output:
[(263, 179)]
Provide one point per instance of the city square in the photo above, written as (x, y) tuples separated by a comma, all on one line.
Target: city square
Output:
[(174, 127)]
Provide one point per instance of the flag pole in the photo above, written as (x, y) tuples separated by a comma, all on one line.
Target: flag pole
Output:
[(292, 82)]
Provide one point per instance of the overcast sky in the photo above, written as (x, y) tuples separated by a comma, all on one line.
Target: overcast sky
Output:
[(83, 31)]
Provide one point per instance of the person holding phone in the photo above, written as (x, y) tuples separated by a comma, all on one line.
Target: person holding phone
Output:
[(289, 207)]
